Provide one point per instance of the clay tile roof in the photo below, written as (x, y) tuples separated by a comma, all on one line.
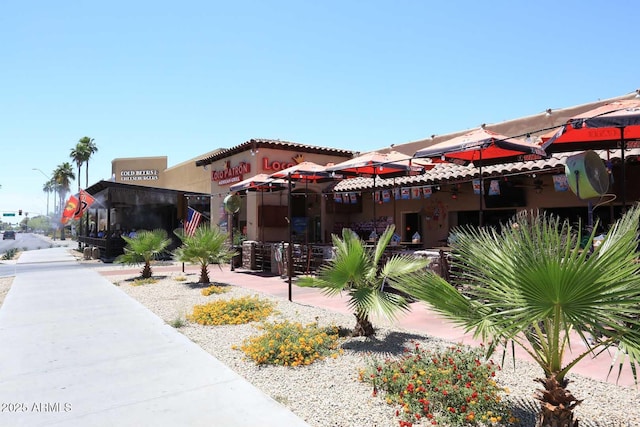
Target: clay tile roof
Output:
[(274, 144), (449, 172)]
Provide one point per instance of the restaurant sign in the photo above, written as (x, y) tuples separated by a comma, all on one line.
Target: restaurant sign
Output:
[(139, 175), (275, 165), (229, 174)]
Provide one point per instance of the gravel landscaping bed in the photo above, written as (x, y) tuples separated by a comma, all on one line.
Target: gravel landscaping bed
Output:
[(328, 393)]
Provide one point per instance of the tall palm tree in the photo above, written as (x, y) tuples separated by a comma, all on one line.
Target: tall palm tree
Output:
[(533, 285), (144, 248), (80, 154), (90, 148), (48, 187), (207, 246), (359, 271), (63, 175)]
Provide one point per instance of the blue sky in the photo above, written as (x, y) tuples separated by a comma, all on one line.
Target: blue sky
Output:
[(156, 78)]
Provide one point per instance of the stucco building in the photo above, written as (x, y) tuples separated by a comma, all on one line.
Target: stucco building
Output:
[(429, 204)]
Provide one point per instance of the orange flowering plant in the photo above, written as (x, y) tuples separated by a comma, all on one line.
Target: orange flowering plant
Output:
[(452, 387)]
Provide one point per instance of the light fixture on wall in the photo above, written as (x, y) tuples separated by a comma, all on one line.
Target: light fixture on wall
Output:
[(637, 93), (548, 112), (454, 192), (254, 149)]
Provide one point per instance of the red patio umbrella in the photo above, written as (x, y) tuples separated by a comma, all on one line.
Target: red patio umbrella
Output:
[(610, 126), (261, 183), (304, 172), (482, 147), (385, 165)]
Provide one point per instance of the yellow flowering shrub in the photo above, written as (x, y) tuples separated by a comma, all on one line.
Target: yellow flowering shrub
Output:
[(214, 289), (291, 344), (235, 311)]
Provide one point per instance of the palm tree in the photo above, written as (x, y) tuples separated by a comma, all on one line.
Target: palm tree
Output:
[(48, 187), (89, 148), (144, 248), (207, 246), (80, 154), (62, 176), (357, 271), (531, 284)]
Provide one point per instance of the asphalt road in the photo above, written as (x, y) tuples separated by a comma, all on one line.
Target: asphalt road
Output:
[(23, 242)]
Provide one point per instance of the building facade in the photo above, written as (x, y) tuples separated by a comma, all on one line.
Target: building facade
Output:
[(428, 205)]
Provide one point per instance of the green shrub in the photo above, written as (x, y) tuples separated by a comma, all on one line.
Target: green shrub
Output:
[(232, 312), (140, 282), (452, 387), (9, 254), (178, 322), (291, 344)]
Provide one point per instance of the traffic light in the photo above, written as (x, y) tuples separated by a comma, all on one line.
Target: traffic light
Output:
[(20, 212)]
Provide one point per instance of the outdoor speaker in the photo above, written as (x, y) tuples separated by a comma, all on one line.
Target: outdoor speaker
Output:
[(587, 175)]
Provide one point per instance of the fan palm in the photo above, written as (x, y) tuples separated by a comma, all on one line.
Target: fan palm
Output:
[(533, 286), (208, 245), (144, 248), (357, 270)]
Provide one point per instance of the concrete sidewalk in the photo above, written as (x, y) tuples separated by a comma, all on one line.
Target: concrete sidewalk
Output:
[(76, 351)]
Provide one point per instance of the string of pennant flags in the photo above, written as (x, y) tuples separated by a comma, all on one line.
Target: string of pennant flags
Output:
[(419, 192), (425, 192), (386, 196)]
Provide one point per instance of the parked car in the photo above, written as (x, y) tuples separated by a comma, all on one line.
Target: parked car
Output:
[(9, 234)]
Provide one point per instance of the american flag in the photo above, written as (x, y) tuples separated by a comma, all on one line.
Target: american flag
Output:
[(193, 219)]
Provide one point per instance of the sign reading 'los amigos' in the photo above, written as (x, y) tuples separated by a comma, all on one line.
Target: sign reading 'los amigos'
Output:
[(229, 174)]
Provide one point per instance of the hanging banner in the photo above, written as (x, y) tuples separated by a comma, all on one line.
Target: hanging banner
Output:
[(345, 197), (494, 187), (560, 182), (416, 192), (426, 192), (376, 196), (337, 198), (386, 196), (476, 186), (354, 198), (405, 193), (396, 193)]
